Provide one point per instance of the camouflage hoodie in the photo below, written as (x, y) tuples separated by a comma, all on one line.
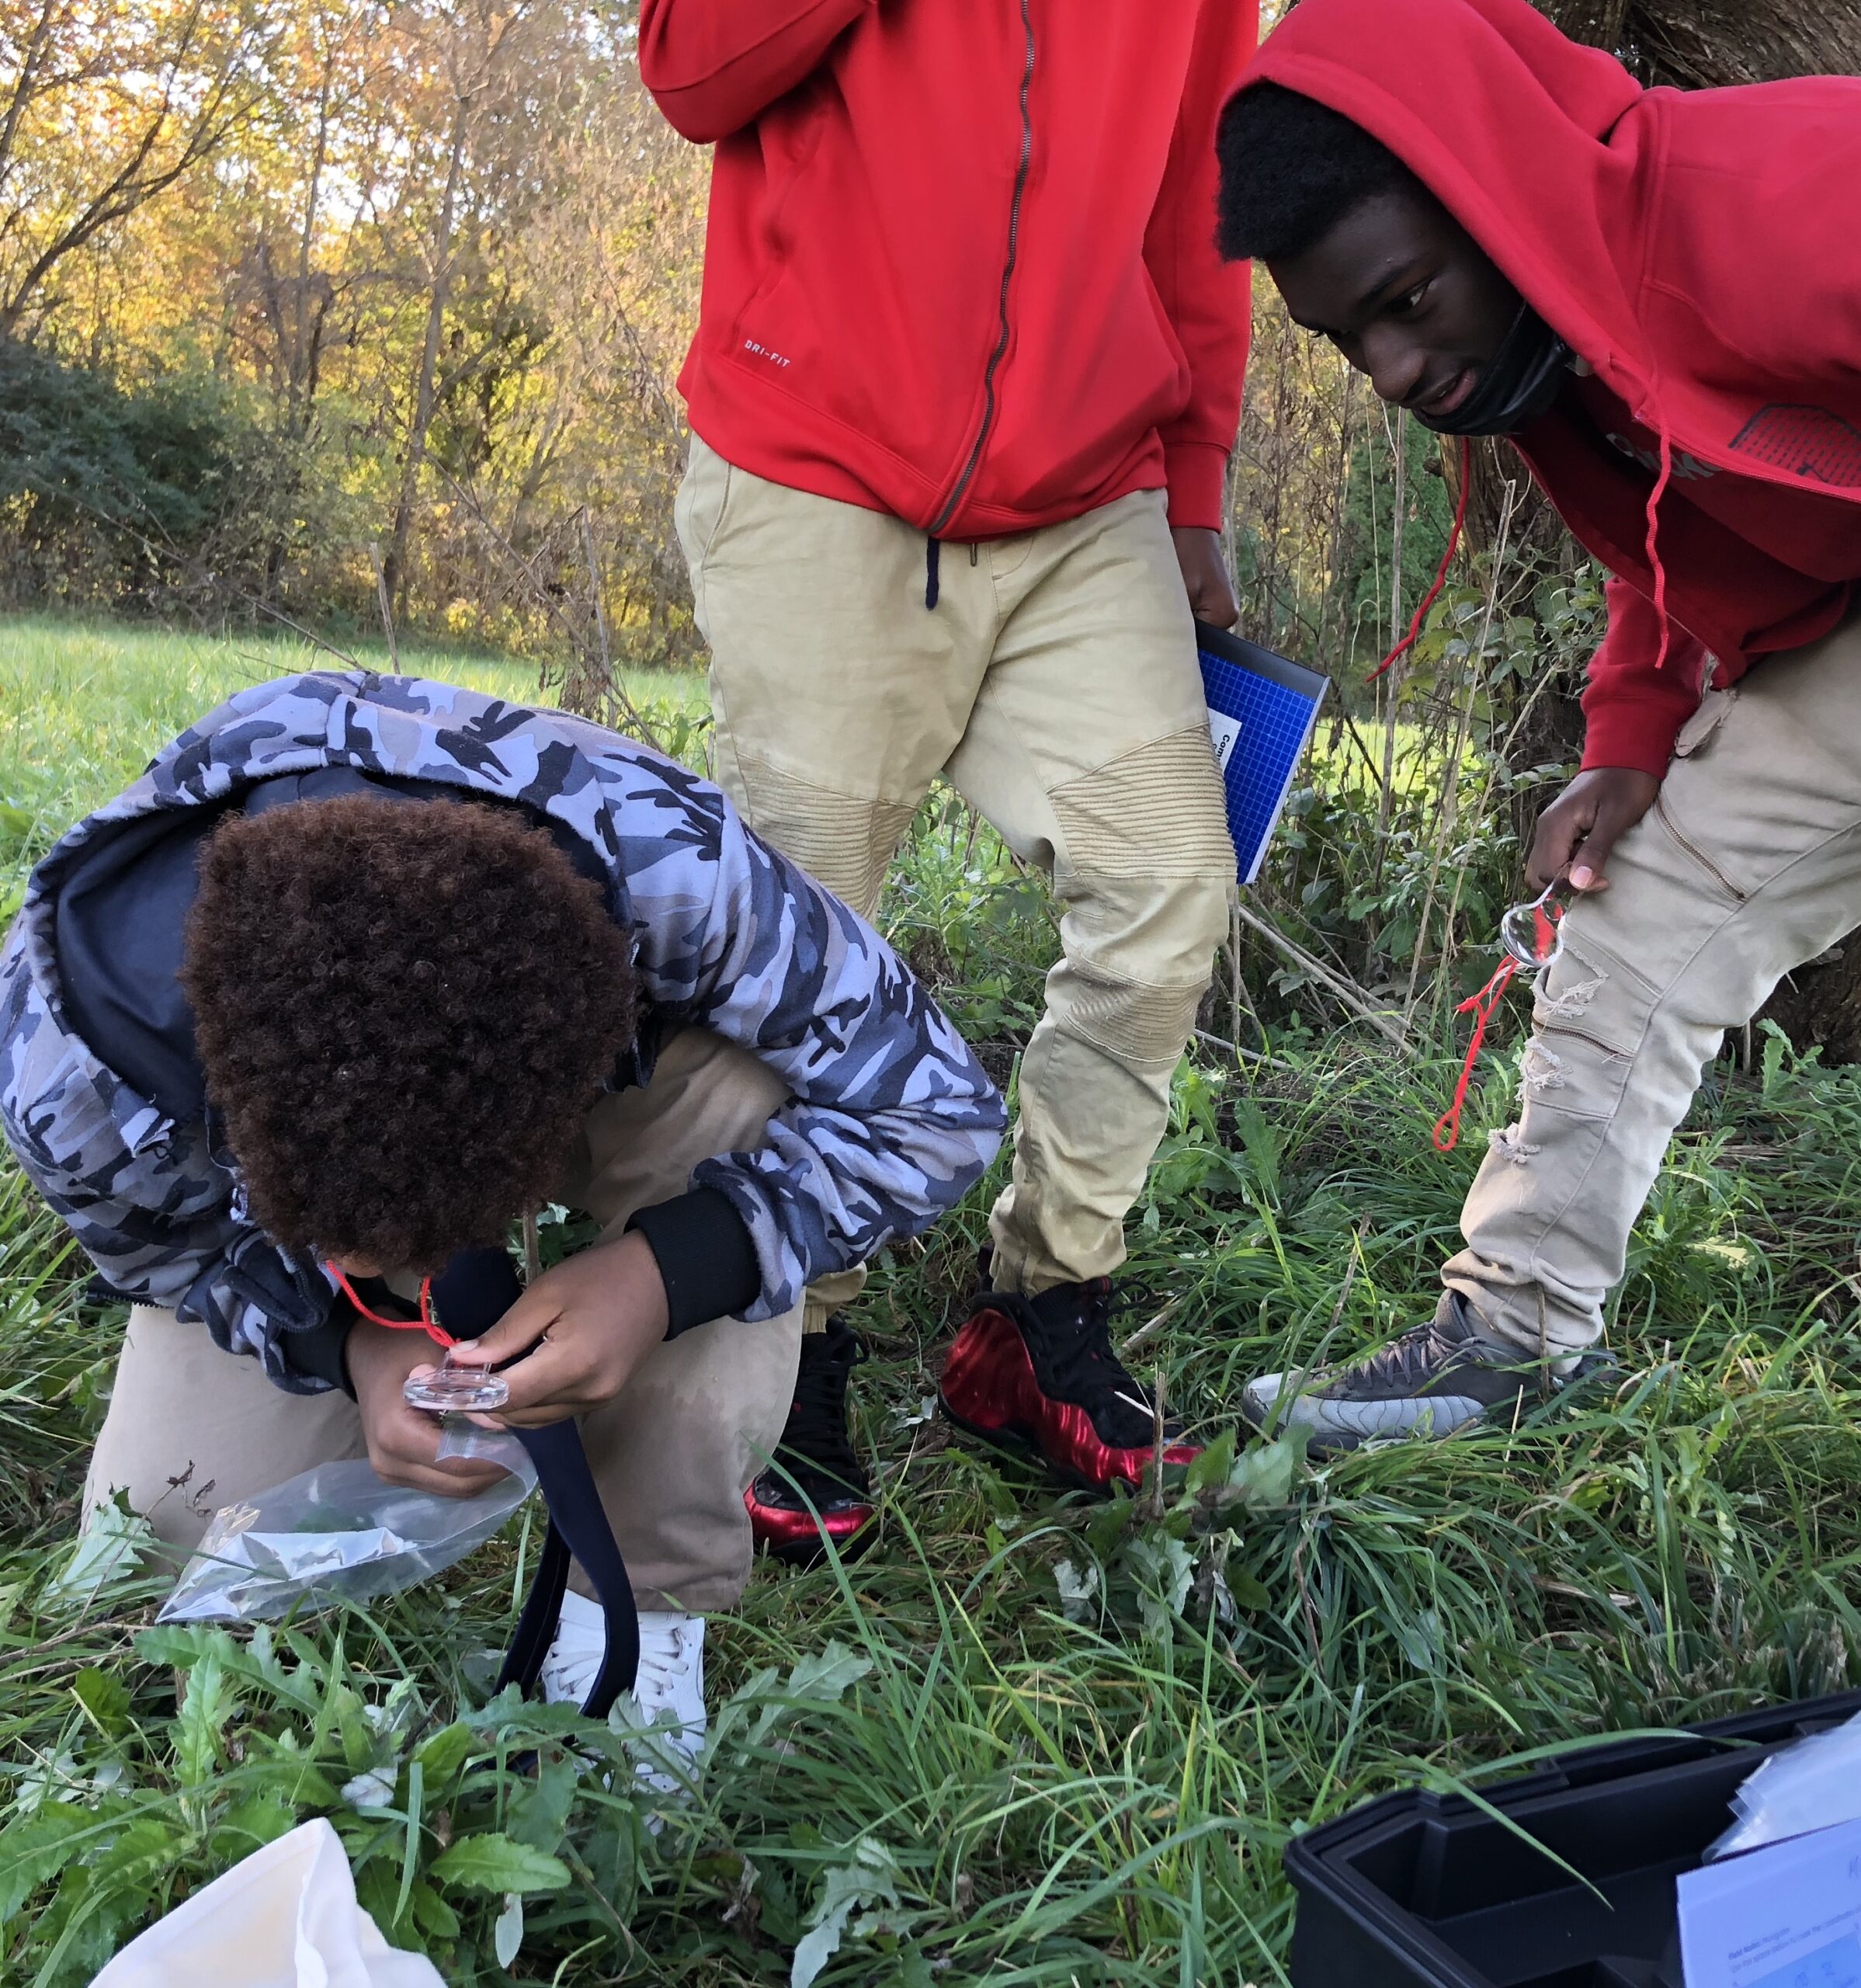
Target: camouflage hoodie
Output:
[(890, 1121)]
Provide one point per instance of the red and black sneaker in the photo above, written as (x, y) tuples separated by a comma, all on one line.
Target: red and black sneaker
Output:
[(1039, 1374), (817, 1459)]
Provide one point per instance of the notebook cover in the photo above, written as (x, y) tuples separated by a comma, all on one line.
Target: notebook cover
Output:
[(1262, 709)]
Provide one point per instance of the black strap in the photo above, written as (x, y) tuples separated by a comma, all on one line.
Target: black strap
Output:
[(474, 1291), (578, 1527), (541, 1611)]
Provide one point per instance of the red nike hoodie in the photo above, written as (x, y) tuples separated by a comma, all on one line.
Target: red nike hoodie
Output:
[(960, 260), (1702, 251)]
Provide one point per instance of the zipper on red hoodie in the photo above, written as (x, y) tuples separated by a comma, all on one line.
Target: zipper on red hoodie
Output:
[(995, 358)]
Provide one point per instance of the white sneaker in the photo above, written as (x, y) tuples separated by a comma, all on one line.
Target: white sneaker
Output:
[(671, 1677)]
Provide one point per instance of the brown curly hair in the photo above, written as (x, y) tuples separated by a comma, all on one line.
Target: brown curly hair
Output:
[(404, 1013)]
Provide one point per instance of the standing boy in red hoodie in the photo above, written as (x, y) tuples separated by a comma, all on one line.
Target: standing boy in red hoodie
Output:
[(968, 373), (1657, 296)]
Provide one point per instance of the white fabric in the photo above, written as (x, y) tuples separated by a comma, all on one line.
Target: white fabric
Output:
[(284, 1917)]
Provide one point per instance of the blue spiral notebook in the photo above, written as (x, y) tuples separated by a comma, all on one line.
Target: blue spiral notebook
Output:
[(1261, 711)]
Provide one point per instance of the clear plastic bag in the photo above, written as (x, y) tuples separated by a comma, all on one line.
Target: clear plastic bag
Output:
[(338, 1533), (1811, 1785)]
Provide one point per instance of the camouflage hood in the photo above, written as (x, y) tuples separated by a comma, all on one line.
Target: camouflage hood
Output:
[(890, 1120)]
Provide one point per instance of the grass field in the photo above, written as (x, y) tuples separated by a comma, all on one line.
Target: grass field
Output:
[(83, 704), (1030, 1739)]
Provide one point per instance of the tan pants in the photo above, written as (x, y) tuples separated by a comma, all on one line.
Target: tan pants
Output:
[(191, 1428), (1749, 865), (1055, 685)]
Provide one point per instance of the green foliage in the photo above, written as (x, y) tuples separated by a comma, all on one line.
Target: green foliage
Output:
[(143, 497), (1364, 577)]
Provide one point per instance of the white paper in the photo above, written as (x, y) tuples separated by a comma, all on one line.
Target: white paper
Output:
[(1226, 732), (1788, 1917)]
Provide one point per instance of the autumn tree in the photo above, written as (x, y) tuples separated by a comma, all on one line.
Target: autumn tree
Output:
[(106, 106)]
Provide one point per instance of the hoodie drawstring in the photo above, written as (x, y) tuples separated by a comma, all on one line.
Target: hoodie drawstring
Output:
[(1653, 544), (932, 548), (1483, 1004), (1447, 559)]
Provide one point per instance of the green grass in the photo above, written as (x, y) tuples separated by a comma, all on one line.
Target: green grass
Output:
[(83, 704), (1009, 1794)]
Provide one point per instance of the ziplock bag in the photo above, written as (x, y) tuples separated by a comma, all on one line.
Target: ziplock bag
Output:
[(1810, 1785), (338, 1533)]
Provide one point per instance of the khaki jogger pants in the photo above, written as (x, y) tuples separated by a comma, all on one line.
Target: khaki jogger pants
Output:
[(1748, 864), (1055, 684), (190, 1428)]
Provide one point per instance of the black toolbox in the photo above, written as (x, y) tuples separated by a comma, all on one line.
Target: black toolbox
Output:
[(1422, 1890)]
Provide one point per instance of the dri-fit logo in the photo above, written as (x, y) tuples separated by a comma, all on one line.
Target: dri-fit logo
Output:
[(763, 351)]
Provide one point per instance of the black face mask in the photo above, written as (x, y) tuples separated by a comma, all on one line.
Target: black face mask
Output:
[(1517, 385)]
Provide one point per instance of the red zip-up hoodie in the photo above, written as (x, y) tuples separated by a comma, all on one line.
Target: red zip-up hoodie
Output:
[(1702, 250), (960, 262)]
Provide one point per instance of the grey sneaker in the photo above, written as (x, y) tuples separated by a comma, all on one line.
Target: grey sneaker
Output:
[(1436, 1378)]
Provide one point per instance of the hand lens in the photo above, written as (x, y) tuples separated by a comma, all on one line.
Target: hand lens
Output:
[(1533, 934), (451, 1387)]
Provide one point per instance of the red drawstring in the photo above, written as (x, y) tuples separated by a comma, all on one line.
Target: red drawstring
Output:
[(1653, 544), (426, 1322), (1484, 1005), (1447, 558)]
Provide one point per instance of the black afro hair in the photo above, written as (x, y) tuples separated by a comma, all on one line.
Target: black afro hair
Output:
[(404, 1014), (1291, 170)]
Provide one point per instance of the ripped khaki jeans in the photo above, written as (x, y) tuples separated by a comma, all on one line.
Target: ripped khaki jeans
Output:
[(1055, 685), (1748, 865)]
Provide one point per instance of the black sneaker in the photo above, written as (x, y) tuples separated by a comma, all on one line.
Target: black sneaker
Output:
[(1436, 1378), (816, 1456), (1039, 1374)]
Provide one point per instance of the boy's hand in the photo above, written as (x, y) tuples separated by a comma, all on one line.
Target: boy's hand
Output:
[(1211, 592), (587, 1324), (1580, 828), (404, 1442)]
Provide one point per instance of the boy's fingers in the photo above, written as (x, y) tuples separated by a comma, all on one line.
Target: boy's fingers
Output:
[(1592, 857), (519, 1329), (441, 1483), (452, 1477), (1597, 809), (1558, 837), (552, 1373), (546, 1418)]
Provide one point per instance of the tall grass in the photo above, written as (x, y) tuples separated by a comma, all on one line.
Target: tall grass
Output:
[(1030, 1738)]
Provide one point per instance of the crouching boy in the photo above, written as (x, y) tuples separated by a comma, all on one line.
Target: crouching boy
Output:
[(364, 968)]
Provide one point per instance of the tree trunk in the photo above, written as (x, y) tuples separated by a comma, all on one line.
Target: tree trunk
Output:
[(394, 564), (1820, 1003), (1699, 44)]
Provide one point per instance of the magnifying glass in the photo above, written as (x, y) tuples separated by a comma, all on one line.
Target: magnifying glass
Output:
[(1533, 933), (452, 1387)]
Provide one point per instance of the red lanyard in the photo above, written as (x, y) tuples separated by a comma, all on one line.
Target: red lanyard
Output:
[(1481, 1006), (426, 1322)]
